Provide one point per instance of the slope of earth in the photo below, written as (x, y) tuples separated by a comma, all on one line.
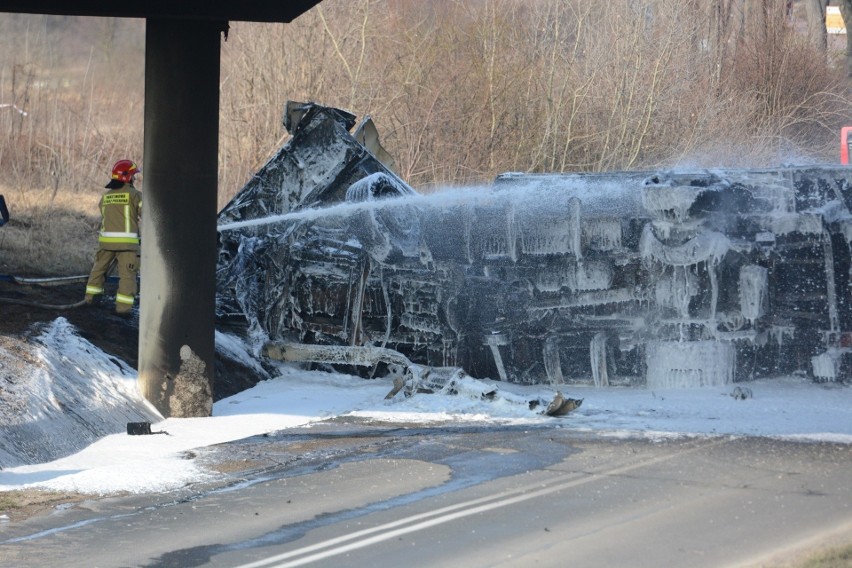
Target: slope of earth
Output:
[(26, 309), (30, 309)]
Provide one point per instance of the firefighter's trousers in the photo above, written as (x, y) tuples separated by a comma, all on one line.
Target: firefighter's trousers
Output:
[(128, 267)]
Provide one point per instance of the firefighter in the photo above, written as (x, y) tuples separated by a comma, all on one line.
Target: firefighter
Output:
[(118, 240)]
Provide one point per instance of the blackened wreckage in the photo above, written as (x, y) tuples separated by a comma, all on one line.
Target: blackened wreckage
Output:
[(657, 279)]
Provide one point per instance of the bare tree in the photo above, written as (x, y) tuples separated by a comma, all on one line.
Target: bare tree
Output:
[(846, 12), (815, 12), (459, 90)]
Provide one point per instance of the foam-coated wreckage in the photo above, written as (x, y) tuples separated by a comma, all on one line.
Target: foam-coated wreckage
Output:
[(657, 279)]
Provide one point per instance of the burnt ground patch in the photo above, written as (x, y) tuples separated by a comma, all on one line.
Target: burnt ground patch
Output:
[(33, 306)]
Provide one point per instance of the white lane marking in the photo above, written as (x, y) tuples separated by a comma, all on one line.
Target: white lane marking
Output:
[(336, 545)]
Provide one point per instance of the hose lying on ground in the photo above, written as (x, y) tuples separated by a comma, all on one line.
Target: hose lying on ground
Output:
[(51, 281), (48, 281), (40, 305)]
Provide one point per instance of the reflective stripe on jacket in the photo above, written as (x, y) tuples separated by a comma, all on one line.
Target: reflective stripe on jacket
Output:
[(121, 210)]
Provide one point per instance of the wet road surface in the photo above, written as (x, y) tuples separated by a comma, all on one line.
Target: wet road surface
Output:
[(345, 493)]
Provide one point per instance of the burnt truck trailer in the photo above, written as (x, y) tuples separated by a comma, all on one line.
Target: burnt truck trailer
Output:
[(657, 279)]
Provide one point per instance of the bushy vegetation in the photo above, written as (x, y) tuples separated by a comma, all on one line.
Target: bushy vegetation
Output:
[(460, 91), (840, 557)]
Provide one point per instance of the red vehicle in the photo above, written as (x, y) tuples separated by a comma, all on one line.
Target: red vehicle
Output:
[(844, 144)]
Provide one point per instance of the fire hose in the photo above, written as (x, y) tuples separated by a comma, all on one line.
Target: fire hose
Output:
[(50, 281)]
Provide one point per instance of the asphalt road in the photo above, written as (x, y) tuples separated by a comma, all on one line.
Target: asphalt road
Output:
[(366, 495)]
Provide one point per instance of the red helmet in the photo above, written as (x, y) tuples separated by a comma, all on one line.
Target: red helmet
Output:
[(124, 170)]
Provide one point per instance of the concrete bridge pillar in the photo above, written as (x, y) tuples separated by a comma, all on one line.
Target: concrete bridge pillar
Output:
[(178, 272)]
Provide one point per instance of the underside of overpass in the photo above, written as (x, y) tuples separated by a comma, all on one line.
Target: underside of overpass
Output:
[(182, 47)]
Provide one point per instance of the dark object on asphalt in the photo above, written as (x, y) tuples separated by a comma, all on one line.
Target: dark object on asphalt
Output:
[(655, 279)]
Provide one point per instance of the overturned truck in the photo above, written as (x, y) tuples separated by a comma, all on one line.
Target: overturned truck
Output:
[(657, 279)]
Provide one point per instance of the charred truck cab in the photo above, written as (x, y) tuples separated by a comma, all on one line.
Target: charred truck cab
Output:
[(647, 279)]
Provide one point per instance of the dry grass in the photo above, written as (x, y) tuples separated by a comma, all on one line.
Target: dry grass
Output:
[(48, 234), (466, 91), (834, 558), (22, 505), (460, 92)]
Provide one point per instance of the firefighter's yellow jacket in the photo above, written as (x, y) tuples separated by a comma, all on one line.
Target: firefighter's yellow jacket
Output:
[(121, 212)]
